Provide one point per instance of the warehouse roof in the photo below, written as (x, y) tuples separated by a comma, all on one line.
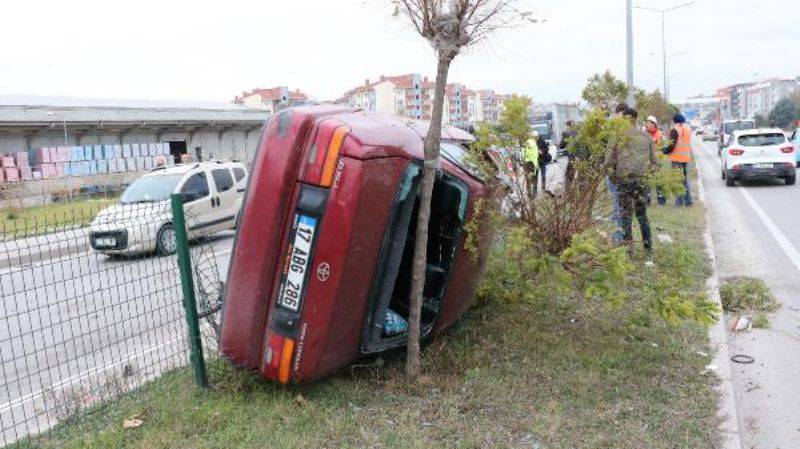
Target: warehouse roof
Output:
[(18, 110)]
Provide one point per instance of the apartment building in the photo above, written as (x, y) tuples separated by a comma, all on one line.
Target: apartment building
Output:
[(271, 100), (763, 96), (408, 95), (411, 96)]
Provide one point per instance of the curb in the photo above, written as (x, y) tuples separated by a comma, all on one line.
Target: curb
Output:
[(727, 410)]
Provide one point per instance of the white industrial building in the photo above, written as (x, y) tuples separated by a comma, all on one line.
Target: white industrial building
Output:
[(203, 130)]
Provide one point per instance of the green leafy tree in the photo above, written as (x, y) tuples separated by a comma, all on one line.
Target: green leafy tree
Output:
[(783, 114), (653, 103), (761, 121), (605, 91), (514, 119)]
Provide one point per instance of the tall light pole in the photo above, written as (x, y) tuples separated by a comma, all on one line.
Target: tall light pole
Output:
[(629, 55), (663, 13)]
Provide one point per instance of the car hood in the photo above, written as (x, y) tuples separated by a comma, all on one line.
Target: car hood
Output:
[(139, 212)]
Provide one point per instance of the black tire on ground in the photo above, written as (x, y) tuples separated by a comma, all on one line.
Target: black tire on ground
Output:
[(722, 173), (730, 181), (165, 240), (790, 180)]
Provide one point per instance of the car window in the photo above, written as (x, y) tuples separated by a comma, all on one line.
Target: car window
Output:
[(195, 187), (150, 189), (760, 140), (222, 179), (239, 173)]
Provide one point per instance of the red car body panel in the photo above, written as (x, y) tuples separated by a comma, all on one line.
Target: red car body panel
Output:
[(349, 237)]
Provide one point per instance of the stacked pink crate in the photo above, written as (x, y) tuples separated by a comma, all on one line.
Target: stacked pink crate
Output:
[(7, 162), (11, 174)]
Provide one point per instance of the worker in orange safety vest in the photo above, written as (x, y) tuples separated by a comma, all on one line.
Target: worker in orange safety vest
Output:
[(679, 150)]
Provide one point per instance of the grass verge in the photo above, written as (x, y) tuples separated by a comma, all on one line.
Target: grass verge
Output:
[(551, 374)]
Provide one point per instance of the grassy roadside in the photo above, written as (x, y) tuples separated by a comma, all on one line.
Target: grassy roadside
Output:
[(38, 219), (532, 375)]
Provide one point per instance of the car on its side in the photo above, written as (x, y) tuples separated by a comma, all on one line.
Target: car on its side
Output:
[(795, 139), (141, 222), (727, 127), (758, 154), (320, 272)]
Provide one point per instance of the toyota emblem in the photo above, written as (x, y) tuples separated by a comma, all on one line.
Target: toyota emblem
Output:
[(323, 271)]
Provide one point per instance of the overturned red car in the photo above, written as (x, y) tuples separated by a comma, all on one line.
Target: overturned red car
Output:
[(320, 269)]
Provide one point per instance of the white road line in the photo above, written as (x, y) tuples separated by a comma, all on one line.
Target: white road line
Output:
[(787, 247), (71, 380)]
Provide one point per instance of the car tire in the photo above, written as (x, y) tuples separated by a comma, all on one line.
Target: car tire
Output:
[(722, 173), (790, 180), (165, 240), (730, 181)]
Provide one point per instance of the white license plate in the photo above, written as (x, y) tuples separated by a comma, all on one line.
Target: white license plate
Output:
[(297, 265), (763, 165), (105, 242)]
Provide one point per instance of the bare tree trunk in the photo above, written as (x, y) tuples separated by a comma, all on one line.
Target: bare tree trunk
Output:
[(432, 142)]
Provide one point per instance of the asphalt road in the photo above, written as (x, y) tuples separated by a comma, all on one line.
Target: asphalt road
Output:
[(79, 329), (756, 231)]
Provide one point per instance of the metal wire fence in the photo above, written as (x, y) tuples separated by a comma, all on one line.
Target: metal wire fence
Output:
[(91, 307)]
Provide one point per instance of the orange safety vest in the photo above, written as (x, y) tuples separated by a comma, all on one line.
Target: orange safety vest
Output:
[(683, 146)]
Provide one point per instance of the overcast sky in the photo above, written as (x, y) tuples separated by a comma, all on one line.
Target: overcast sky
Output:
[(198, 50)]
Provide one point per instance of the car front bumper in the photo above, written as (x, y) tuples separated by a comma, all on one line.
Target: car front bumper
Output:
[(126, 240)]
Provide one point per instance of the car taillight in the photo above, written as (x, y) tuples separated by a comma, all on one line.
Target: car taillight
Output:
[(787, 150), (324, 154), (278, 356), (736, 152)]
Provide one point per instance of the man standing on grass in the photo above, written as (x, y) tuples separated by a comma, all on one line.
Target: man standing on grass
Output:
[(679, 150), (530, 164), (629, 164)]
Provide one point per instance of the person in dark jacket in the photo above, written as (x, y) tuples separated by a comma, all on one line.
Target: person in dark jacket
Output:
[(630, 163), (544, 159), (568, 136)]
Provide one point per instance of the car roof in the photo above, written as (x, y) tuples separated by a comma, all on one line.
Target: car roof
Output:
[(182, 169), (751, 132)]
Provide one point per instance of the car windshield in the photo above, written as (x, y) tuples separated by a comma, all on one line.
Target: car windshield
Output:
[(150, 189), (761, 140), (735, 126)]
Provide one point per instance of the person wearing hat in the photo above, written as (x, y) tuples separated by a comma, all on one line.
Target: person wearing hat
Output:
[(651, 128), (679, 149)]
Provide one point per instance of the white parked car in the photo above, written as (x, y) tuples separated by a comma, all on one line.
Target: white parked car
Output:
[(758, 154), (142, 220)]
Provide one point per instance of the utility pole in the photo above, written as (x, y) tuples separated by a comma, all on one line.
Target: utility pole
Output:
[(663, 13), (629, 79)]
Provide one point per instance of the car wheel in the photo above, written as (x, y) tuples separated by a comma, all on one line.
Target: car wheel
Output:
[(166, 243), (790, 180), (722, 173), (730, 181)]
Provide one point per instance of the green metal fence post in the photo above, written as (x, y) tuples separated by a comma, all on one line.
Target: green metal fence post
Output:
[(187, 284)]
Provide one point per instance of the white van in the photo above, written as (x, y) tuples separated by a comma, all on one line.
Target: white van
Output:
[(141, 222)]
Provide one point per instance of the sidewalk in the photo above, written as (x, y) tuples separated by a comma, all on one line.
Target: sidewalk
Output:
[(27, 250)]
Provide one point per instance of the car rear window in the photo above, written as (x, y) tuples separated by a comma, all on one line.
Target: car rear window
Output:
[(222, 179), (239, 173), (760, 140)]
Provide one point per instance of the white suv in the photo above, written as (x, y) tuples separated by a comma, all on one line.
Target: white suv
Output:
[(758, 154), (142, 220)]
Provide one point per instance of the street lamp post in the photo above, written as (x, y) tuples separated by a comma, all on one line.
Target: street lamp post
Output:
[(663, 13), (629, 50)]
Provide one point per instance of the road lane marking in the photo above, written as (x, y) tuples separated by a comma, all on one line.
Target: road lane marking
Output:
[(73, 379), (787, 247)]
